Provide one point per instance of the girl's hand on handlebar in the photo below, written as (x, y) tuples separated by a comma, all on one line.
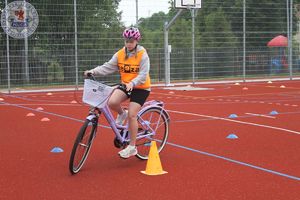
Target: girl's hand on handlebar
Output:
[(129, 86), (88, 73)]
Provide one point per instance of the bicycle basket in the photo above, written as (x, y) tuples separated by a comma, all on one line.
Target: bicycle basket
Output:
[(96, 94)]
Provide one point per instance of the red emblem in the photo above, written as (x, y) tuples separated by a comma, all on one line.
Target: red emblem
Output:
[(20, 15)]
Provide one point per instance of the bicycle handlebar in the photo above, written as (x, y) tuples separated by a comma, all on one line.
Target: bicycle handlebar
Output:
[(92, 77)]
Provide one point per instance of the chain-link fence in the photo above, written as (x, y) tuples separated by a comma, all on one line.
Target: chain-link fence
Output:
[(231, 41)]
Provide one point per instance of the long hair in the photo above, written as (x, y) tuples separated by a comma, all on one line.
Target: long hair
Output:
[(127, 52)]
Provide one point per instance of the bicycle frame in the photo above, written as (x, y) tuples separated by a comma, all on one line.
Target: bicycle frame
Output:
[(118, 128), (152, 104), (153, 124)]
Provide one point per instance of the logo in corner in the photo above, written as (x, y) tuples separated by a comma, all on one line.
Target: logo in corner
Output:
[(19, 19)]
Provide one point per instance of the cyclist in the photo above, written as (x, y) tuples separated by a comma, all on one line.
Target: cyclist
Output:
[(133, 64)]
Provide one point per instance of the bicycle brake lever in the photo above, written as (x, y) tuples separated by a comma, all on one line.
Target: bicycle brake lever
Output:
[(91, 76)]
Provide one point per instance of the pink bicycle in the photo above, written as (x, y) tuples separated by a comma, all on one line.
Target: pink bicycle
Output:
[(153, 122)]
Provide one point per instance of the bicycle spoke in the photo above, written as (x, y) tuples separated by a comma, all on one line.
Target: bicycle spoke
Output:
[(155, 125), (144, 144), (84, 145)]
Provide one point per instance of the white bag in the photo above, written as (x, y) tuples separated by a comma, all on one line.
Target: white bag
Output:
[(96, 94)]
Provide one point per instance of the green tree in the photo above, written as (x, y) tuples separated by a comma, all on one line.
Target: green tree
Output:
[(54, 40), (152, 30), (217, 31)]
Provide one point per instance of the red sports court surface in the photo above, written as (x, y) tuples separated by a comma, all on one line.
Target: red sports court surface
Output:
[(202, 163)]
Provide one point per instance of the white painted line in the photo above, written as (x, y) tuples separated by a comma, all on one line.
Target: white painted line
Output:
[(260, 115), (236, 121)]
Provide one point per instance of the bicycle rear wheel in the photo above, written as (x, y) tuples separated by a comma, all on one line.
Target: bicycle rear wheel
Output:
[(158, 121), (82, 145)]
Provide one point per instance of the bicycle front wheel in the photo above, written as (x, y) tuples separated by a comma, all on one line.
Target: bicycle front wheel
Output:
[(153, 125), (82, 145)]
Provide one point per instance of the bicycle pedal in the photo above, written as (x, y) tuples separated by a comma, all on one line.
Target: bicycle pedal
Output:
[(117, 143)]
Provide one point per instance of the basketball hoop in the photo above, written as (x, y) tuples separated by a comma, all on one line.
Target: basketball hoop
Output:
[(187, 4)]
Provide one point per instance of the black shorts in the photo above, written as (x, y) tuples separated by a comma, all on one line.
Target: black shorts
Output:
[(136, 95)]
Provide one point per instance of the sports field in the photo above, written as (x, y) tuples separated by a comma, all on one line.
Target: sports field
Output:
[(226, 141)]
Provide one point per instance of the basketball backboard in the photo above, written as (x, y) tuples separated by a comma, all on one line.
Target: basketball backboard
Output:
[(185, 4)]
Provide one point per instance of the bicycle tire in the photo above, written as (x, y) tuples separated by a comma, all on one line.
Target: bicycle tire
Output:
[(161, 136), (84, 141)]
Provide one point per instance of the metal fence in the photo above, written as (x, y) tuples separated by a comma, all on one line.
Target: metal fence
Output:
[(230, 44)]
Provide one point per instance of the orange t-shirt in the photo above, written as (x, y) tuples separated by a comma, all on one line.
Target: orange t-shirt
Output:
[(129, 68)]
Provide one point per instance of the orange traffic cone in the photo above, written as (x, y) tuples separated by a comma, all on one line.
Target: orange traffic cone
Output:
[(153, 164)]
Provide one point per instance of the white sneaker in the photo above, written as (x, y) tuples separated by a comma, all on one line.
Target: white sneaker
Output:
[(128, 151), (121, 118)]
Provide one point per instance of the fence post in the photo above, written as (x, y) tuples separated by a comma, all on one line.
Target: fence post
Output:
[(76, 49), (244, 40), (290, 39), (7, 53)]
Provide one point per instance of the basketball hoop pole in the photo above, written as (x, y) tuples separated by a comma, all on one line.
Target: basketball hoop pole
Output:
[(193, 6), (166, 47)]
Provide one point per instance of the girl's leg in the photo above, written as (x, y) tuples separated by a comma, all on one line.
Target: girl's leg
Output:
[(137, 99), (133, 110), (114, 102)]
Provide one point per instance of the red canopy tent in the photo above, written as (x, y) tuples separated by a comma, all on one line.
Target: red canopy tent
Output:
[(278, 41), (281, 42)]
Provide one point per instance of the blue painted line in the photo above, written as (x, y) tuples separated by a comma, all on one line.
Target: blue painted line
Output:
[(175, 145), (235, 161)]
